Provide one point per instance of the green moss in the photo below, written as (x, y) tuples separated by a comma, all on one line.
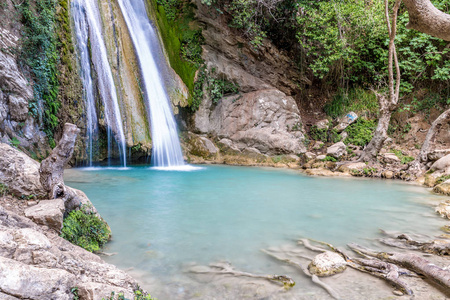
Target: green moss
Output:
[(181, 38), (361, 101), (85, 229)]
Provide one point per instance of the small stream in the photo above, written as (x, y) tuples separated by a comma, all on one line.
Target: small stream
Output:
[(164, 220)]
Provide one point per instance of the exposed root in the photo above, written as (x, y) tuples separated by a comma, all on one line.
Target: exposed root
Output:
[(314, 278), (410, 261), (403, 241), (225, 268)]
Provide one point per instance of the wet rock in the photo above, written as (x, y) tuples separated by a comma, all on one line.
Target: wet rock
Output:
[(324, 172), (443, 188), (19, 172), (266, 120), (337, 150), (201, 146), (349, 167), (387, 174), (47, 212), (444, 209), (345, 121), (327, 263)]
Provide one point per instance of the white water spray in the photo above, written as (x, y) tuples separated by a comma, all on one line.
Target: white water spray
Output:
[(166, 150), (88, 30)]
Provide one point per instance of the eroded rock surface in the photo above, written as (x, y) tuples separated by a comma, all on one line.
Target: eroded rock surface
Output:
[(38, 264), (48, 212), (19, 172), (266, 120), (327, 263)]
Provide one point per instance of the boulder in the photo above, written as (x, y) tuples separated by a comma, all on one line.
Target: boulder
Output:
[(201, 146), (309, 156), (443, 209), (349, 167), (390, 158), (322, 124), (437, 154), (19, 172), (48, 212), (345, 121), (321, 157), (443, 188), (326, 264), (387, 174), (266, 120), (442, 164), (337, 150)]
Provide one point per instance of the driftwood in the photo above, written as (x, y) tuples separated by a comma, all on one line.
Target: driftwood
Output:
[(403, 241), (314, 278), (52, 168), (410, 261), (224, 268)]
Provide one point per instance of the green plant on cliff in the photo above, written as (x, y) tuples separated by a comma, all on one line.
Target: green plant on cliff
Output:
[(40, 54), (83, 228), (360, 132)]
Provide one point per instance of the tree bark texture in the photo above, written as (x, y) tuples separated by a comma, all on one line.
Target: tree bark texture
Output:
[(52, 168), (426, 18)]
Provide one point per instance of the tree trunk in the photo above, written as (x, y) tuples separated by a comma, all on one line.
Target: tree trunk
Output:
[(418, 165), (387, 103), (52, 168), (426, 18), (379, 137)]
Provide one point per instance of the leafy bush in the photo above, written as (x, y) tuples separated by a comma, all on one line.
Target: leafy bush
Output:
[(360, 133), (443, 178), (330, 158), (85, 229), (403, 158), (318, 134)]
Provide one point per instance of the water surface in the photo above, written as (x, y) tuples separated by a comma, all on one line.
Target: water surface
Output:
[(162, 220)]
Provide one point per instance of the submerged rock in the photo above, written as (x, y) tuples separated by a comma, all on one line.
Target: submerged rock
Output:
[(327, 263)]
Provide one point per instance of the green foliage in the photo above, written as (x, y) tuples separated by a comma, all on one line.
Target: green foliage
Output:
[(215, 87), (85, 229), (403, 158), (431, 100), (40, 54), (74, 292), (181, 37), (4, 190), (139, 294), (330, 158), (360, 132), (324, 134), (361, 101), (442, 178), (15, 142)]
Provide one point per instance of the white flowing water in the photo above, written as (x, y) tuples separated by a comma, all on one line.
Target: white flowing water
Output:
[(92, 51), (166, 150)]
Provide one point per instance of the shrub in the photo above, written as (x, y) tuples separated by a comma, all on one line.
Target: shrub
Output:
[(83, 228), (360, 133), (403, 158)]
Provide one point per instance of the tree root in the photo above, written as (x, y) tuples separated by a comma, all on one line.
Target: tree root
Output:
[(225, 268), (410, 261), (403, 241), (314, 278)]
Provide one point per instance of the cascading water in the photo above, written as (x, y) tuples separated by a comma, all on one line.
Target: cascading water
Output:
[(90, 41), (166, 150)]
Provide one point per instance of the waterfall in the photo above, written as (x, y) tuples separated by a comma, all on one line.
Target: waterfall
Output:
[(92, 52), (166, 151)]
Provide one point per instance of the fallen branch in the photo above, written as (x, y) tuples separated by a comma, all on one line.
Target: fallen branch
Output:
[(403, 241), (314, 278), (223, 268), (410, 261)]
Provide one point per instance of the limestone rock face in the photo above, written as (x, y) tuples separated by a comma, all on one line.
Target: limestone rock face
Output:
[(38, 264), (19, 172), (266, 120), (337, 150), (47, 212), (327, 263)]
